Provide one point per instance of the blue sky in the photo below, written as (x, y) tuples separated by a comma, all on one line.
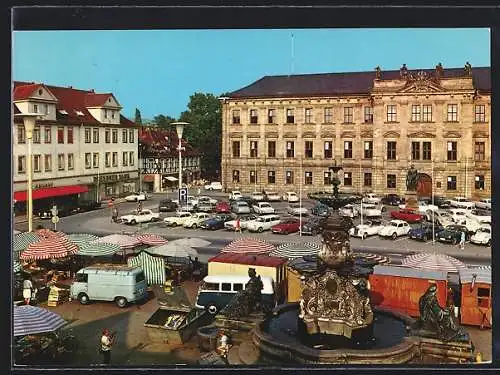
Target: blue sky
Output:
[(157, 70)]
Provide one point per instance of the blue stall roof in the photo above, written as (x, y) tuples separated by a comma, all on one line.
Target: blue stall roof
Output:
[(409, 272)]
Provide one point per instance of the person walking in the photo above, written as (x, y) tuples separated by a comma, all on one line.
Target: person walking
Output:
[(27, 290), (114, 216), (107, 340), (238, 225), (462, 240), (139, 207)]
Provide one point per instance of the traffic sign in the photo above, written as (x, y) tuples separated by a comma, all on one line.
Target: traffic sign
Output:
[(55, 219), (183, 193), (54, 210)]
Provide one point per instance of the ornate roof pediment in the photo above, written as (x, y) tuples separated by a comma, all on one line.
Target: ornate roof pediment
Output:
[(309, 135), (480, 134), (272, 135), (421, 134), (421, 82), (452, 135), (391, 134), (236, 135), (348, 135), (367, 134)]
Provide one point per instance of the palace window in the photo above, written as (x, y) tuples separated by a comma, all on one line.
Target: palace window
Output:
[(290, 117), (347, 178), (368, 115), (107, 136), (328, 151), (480, 113), (236, 176), (70, 135), (327, 178), (391, 150), (328, 115), (271, 149), (271, 177), (71, 162), (271, 116), (125, 159), (131, 138), (347, 149), (368, 150), (308, 178), (115, 159), (451, 183), (48, 163), (391, 181), (479, 151), (415, 113), (289, 177), (391, 113), (88, 138), (348, 115), (236, 116), (60, 134), (21, 164), (253, 149), (367, 180), (21, 134), (427, 113), (253, 177), (60, 162), (107, 159), (254, 118), (47, 134), (415, 151), (124, 136), (308, 116), (290, 149), (88, 160), (131, 158), (36, 163), (36, 134), (452, 112), (308, 147), (427, 150), (96, 135), (115, 135), (479, 182), (95, 160), (236, 149), (452, 151)]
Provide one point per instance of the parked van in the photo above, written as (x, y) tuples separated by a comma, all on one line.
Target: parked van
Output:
[(215, 292), (109, 282)]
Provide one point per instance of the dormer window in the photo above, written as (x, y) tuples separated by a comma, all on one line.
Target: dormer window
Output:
[(64, 112), (40, 92), (79, 113), (112, 114)]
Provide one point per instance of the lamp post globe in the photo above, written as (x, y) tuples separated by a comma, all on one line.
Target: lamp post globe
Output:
[(179, 128)]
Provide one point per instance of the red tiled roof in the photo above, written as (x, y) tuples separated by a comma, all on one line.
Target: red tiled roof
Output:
[(351, 83), (96, 100), (254, 260), (163, 142), (70, 100)]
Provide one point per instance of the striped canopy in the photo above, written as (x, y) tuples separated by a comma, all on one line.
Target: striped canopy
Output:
[(96, 249), (433, 261), (153, 266), (16, 267), (248, 245), (193, 242), (151, 239), (292, 250), (50, 248), (22, 240), (81, 239), (486, 268), (379, 259), (47, 233), (30, 320), (173, 249), (124, 241)]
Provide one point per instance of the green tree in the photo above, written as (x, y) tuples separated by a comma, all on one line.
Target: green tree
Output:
[(138, 119), (163, 121)]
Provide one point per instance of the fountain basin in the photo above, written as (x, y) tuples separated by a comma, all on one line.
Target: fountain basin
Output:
[(279, 338)]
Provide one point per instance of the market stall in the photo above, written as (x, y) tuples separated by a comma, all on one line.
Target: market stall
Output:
[(153, 267)]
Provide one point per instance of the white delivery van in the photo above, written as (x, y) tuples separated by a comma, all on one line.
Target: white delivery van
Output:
[(109, 282)]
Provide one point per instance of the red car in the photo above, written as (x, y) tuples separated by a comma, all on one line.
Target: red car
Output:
[(286, 226), (222, 207), (410, 216)]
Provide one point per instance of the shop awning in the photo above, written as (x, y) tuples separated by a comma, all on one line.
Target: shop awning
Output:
[(22, 196), (170, 178), (149, 178)]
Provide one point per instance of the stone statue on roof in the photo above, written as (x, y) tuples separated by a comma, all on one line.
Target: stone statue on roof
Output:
[(468, 69), (403, 71), (378, 72), (439, 70)]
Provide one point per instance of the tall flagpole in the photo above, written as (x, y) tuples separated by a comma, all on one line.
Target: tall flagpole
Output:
[(300, 199), (465, 177), (360, 183), (433, 213)]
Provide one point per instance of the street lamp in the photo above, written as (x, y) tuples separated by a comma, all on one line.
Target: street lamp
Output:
[(29, 120), (179, 128), (225, 123)]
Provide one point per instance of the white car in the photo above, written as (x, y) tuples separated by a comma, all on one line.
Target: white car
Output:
[(258, 196), (214, 186), (205, 199), (480, 216), (244, 220), (262, 208), (235, 195), (369, 228), (178, 220), (262, 223), (349, 211), (423, 208), (482, 236), (458, 215), (371, 210), (190, 199), (145, 216), (371, 198), (442, 218), (485, 204), (296, 210), (272, 196), (240, 207), (195, 220), (290, 197), (137, 197), (462, 202), (395, 229)]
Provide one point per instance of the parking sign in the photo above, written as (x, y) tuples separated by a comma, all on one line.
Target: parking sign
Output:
[(183, 193)]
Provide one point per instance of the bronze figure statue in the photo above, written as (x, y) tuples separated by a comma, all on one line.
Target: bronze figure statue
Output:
[(248, 300), (377, 72), (403, 71), (468, 69), (439, 70), (412, 179)]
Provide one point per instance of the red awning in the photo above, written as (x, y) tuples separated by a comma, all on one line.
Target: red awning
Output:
[(21, 196)]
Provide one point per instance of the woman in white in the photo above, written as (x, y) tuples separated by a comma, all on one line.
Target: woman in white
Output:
[(27, 289)]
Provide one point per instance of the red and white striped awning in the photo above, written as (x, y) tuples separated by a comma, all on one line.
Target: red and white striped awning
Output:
[(49, 248), (151, 239), (249, 246), (433, 261), (125, 242), (47, 233)]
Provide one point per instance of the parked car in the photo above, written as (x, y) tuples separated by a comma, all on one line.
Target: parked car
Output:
[(368, 228), (473, 225), (285, 226), (423, 207), (240, 207), (371, 210), (62, 211), (188, 207), (136, 197), (262, 223), (321, 210), (462, 202), (178, 220), (205, 207), (410, 216), (195, 220), (263, 208), (214, 186), (482, 236), (244, 219), (441, 202), (458, 215), (296, 209), (145, 216), (314, 225), (349, 210), (88, 205), (216, 222), (272, 196), (485, 204), (441, 217), (481, 216), (371, 198), (222, 208), (167, 205), (205, 199), (424, 232), (249, 200), (290, 197), (257, 196), (190, 199), (235, 195), (453, 233), (395, 229), (392, 200)]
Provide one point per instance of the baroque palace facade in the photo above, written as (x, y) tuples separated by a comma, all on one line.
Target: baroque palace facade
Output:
[(281, 133)]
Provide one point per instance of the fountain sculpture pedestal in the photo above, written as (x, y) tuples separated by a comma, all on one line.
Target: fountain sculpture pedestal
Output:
[(411, 200)]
